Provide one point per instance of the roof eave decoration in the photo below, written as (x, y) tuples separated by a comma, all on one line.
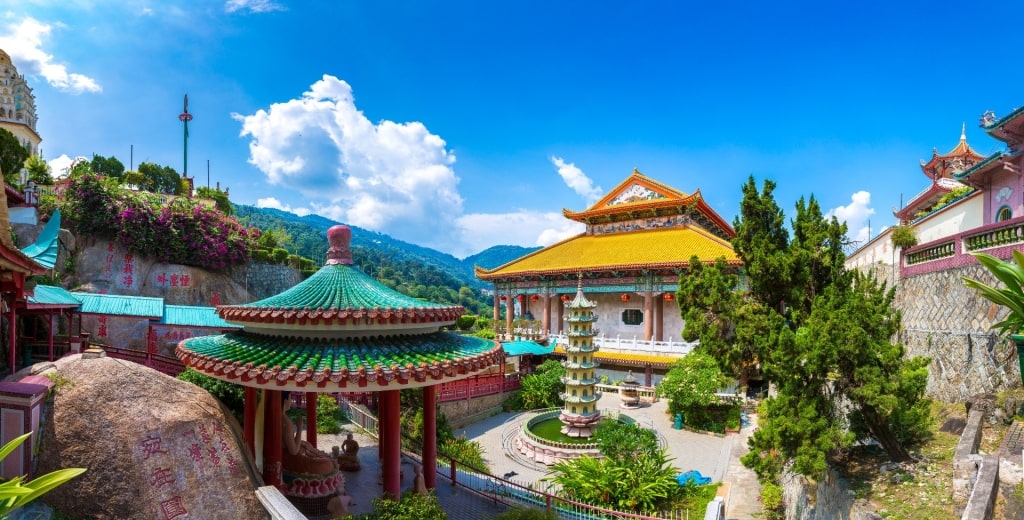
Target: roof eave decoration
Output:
[(990, 123), (327, 366), (960, 158), (985, 166)]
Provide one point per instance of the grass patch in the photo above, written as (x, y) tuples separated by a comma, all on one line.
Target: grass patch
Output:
[(694, 499)]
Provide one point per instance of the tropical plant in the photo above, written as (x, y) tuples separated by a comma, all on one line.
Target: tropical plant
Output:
[(230, 394), (691, 383), (16, 492), (328, 414), (541, 389), (1011, 296), (527, 513)]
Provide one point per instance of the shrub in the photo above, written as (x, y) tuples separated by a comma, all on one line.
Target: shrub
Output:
[(771, 500), (484, 323), (527, 513), (280, 256), (486, 334), (412, 506), (328, 414), (230, 394), (465, 322), (903, 237)]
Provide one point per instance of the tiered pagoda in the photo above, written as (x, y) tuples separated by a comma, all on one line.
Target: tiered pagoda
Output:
[(339, 331), (943, 173), (579, 411), (17, 105)]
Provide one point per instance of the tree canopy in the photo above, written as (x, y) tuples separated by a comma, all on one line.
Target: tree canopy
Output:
[(12, 156), (823, 335)]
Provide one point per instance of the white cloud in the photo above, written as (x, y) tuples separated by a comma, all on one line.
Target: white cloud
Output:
[(577, 180), (271, 202), (24, 43), (390, 177), (255, 6), (856, 215), (479, 231), (60, 166)]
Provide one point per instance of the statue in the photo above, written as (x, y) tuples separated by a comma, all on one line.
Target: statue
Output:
[(348, 460), (298, 455), (419, 485)]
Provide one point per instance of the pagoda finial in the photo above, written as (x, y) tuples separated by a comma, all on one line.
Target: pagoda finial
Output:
[(339, 252), (963, 131)]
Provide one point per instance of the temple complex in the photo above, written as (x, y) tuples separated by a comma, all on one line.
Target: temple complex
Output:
[(338, 331), (637, 241), (17, 105)]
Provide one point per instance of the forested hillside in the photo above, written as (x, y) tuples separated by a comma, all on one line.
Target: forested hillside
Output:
[(415, 270)]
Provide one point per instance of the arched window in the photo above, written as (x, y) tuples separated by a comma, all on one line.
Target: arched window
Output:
[(1004, 213), (573, 409), (585, 410), (574, 392), (574, 376)]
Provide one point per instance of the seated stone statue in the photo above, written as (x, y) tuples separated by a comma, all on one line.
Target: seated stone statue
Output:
[(298, 455), (349, 458)]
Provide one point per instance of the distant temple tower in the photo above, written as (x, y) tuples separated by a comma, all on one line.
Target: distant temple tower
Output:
[(579, 412), (17, 105)]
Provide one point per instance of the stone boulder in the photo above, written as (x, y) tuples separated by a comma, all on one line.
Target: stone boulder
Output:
[(153, 446)]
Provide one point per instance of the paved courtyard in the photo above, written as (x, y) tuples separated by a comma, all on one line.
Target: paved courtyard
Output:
[(714, 456)]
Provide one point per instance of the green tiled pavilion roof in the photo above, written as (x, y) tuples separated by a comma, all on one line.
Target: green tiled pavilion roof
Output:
[(192, 316), (367, 362), (52, 296), (120, 305)]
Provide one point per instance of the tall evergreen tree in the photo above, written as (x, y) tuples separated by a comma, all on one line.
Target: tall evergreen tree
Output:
[(12, 156)]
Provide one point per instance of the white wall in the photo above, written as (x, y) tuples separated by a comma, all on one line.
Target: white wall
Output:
[(958, 217)]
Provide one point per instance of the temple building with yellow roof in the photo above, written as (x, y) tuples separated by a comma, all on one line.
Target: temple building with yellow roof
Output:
[(638, 241)]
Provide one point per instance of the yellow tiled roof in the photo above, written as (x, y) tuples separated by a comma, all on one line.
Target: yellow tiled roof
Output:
[(628, 358), (626, 250)]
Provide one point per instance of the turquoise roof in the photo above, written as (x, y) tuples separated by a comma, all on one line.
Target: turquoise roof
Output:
[(518, 348), (342, 286), (52, 295), (190, 316), (977, 167), (121, 305), (44, 250), (1002, 121)]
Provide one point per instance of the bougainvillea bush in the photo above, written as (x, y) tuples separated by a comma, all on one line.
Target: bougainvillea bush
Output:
[(180, 231)]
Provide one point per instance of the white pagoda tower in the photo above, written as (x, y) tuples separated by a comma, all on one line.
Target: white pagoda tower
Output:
[(579, 411)]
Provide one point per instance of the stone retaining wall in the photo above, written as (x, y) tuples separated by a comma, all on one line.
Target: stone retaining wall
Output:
[(948, 322), (456, 411)]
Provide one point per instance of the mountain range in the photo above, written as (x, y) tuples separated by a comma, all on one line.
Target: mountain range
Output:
[(309, 239)]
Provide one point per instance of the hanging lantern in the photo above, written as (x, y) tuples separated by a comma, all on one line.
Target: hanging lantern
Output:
[(522, 297), (624, 298), (669, 296), (565, 297), (503, 297), (534, 298)]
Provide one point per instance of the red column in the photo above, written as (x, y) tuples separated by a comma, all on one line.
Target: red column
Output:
[(546, 320), (510, 310), (497, 308), (430, 436), (272, 438), (659, 318), (12, 325), (249, 428), (391, 442), (311, 418), (648, 315), (561, 315), (51, 335)]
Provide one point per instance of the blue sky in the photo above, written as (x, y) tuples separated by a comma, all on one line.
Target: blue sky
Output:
[(462, 125)]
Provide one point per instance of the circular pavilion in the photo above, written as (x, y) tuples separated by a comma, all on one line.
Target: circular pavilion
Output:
[(339, 331)]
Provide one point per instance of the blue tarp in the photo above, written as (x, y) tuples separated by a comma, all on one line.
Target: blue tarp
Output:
[(518, 348), (693, 475)]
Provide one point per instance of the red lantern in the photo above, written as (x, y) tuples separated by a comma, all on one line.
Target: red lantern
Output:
[(565, 297), (503, 297), (534, 298), (668, 296), (624, 298), (522, 298)]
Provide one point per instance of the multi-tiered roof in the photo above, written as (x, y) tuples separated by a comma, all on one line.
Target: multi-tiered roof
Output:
[(944, 171), (339, 329)]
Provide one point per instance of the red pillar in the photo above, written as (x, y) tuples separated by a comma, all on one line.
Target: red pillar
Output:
[(249, 428), (51, 335), (12, 325), (391, 442), (546, 320), (497, 308), (659, 318), (311, 418), (430, 436), (561, 316), (510, 310), (648, 316), (272, 438)]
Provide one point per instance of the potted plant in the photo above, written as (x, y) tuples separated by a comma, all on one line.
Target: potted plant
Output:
[(1011, 273)]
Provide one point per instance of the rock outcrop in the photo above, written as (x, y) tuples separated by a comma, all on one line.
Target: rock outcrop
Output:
[(153, 446)]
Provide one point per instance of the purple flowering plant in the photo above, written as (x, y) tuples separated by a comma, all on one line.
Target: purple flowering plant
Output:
[(176, 231)]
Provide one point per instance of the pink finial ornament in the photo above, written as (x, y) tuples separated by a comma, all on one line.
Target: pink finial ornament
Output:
[(339, 238)]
